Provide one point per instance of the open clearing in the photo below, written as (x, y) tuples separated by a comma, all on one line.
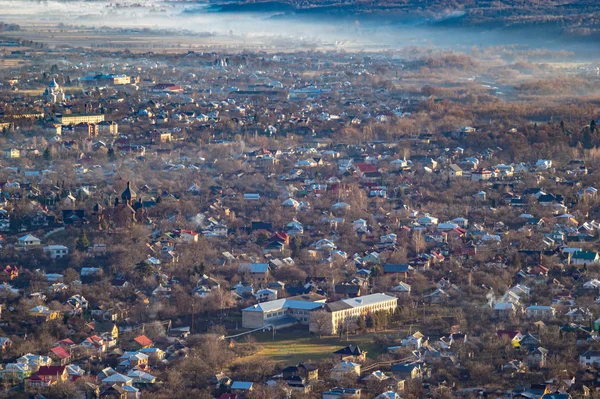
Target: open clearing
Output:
[(294, 346)]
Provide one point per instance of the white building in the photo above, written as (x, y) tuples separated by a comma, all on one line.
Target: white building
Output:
[(350, 310), (53, 93), (279, 313), (56, 251), (28, 241)]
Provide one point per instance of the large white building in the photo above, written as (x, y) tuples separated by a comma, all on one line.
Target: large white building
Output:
[(279, 313), (349, 310), (321, 318), (53, 93)]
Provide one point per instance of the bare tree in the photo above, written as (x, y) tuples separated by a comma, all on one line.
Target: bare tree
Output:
[(418, 241), (321, 321)]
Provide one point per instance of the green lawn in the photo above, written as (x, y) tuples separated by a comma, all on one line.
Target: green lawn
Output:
[(295, 345)]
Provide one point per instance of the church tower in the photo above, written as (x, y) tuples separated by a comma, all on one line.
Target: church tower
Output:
[(53, 93), (128, 195)]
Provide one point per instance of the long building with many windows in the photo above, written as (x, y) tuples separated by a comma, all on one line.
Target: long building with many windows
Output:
[(320, 317), (337, 314), (74, 119)]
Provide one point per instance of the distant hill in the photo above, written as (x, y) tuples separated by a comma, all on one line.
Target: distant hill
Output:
[(579, 17)]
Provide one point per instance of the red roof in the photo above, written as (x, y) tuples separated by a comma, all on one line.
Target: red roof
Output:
[(542, 268), (66, 341), (11, 269), (51, 370), (95, 340), (60, 352), (366, 167), (142, 340), (280, 236)]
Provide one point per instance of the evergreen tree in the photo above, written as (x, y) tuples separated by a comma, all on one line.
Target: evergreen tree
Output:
[(376, 271), (47, 154), (593, 126), (144, 269), (586, 141), (82, 242)]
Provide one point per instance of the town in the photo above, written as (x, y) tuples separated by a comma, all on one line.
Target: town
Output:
[(299, 224)]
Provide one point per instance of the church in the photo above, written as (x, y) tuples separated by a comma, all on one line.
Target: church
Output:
[(53, 93)]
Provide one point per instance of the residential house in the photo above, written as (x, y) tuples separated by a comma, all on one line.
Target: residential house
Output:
[(401, 289), (590, 358), (481, 174), (257, 271), (345, 370), (241, 387), (95, 344), (45, 378), (399, 270), (540, 312), (265, 295), (15, 372), (584, 257), (43, 313), (537, 358), (28, 241), (351, 353), (106, 329), (9, 273), (119, 383), (56, 251), (307, 371), (408, 371), (60, 355), (12, 153), (5, 343), (454, 171), (414, 341), (504, 310), (142, 341), (140, 377), (342, 393)]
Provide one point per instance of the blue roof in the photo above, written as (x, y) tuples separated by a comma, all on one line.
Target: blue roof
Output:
[(255, 267), (404, 367), (587, 255), (241, 385), (342, 391), (395, 268)]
